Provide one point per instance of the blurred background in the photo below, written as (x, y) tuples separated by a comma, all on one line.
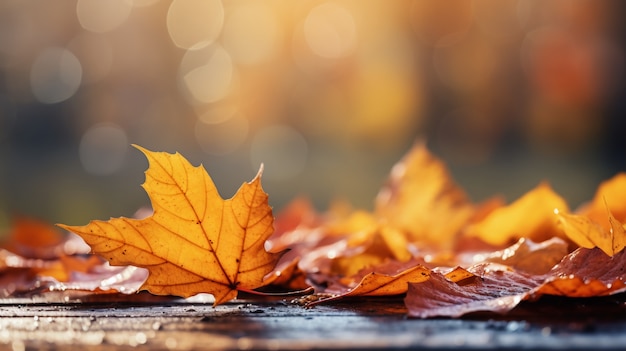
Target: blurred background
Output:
[(327, 94)]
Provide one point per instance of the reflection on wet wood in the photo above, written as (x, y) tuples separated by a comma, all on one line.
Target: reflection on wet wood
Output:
[(150, 323)]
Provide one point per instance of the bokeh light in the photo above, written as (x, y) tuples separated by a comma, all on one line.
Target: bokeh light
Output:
[(327, 94), (102, 16), (251, 33), (142, 3), (330, 31), (438, 23), (55, 75), (193, 24), (207, 74)]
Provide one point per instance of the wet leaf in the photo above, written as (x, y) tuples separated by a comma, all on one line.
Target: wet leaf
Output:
[(528, 256), (586, 273), (102, 279), (378, 284), (195, 241), (497, 288)]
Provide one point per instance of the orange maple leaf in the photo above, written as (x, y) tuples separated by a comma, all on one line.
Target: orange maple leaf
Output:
[(195, 241)]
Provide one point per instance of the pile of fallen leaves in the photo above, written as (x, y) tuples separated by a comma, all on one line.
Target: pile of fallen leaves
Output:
[(424, 239)]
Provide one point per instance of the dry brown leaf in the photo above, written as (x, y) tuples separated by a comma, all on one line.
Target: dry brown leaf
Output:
[(586, 273), (497, 289), (195, 242), (528, 256), (531, 216)]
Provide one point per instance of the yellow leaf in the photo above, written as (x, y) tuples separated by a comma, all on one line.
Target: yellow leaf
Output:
[(368, 243), (195, 242), (610, 194), (396, 242), (531, 216), (421, 199), (588, 234)]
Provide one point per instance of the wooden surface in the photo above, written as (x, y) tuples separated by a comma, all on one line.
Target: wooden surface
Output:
[(277, 324)]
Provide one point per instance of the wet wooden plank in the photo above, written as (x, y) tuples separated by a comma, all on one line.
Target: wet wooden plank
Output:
[(367, 324)]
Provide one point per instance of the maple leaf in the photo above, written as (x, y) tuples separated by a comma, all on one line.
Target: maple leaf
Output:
[(195, 241)]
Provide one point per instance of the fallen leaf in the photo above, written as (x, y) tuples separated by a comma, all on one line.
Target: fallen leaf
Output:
[(421, 199), (102, 278), (299, 213), (528, 256), (40, 259), (497, 288), (16, 281), (377, 284), (610, 194), (195, 241), (381, 247), (586, 273), (288, 275), (589, 234), (531, 216), (424, 239), (34, 238), (10, 260)]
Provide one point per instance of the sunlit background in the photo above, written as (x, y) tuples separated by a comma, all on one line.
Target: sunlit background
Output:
[(327, 94)]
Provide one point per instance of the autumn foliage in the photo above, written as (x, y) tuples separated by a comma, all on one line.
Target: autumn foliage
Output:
[(424, 240)]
